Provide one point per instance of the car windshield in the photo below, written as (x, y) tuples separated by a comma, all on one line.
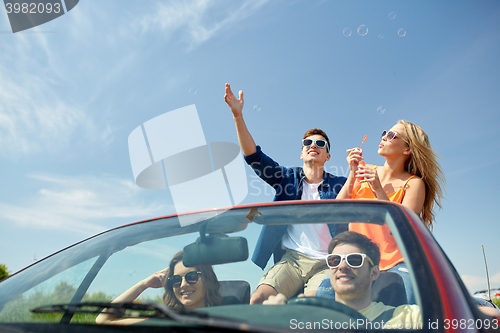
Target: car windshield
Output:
[(103, 267)]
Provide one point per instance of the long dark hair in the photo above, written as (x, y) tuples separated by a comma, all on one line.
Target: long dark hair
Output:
[(210, 284)]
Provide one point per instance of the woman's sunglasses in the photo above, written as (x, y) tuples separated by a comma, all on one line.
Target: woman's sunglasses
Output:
[(392, 135), (354, 260), (318, 143), (175, 281)]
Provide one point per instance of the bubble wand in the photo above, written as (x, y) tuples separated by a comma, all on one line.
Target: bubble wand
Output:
[(364, 139), (362, 162)]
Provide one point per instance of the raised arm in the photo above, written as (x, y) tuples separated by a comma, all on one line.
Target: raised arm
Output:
[(245, 139), (156, 280)]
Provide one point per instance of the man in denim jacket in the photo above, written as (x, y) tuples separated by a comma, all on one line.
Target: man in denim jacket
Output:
[(299, 250)]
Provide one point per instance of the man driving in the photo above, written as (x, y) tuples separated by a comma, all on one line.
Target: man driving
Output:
[(353, 262)]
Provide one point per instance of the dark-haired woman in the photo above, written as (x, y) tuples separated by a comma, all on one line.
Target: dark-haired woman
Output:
[(185, 287)]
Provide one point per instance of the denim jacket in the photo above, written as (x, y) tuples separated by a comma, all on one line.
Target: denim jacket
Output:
[(288, 185)]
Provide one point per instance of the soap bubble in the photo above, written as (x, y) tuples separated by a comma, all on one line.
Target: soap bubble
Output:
[(401, 32), (193, 91), (257, 107), (362, 30), (347, 32), (381, 110), (132, 273), (392, 15), (380, 36)]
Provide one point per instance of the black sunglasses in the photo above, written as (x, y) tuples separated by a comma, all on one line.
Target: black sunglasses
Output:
[(355, 260), (175, 281), (318, 143)]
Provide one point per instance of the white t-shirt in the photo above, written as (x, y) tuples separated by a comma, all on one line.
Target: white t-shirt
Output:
[(309, 239)]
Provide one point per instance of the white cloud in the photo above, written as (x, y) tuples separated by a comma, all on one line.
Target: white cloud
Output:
[(476, 283), (31, 119), (495, 278), (40, 108), (81, 204), (34, 117), (38, 77), (198, 20)]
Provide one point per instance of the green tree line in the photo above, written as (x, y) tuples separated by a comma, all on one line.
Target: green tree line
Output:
[(18, 310), (3, 271)]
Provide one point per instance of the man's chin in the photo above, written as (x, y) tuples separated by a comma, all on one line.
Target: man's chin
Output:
[(315, 159), (344, 289)]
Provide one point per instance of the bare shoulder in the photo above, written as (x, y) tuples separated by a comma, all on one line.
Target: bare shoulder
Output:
[(415, 183), (415, 179)]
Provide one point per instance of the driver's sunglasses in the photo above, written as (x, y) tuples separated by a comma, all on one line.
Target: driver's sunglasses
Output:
[(318, 143), (175, 281), (354, 260), (392, 135)]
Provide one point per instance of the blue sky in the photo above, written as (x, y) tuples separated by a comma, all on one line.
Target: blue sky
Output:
[(73, 89)]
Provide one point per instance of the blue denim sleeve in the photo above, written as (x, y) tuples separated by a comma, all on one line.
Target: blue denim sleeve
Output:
[(325, 289), (266, 168)]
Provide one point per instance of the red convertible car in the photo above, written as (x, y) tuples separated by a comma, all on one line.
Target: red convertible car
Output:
[(71, 290)]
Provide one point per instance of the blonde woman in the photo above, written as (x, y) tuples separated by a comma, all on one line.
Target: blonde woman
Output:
[(410, 175)]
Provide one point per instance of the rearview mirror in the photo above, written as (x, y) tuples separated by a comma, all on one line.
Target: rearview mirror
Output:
[(215, 249)]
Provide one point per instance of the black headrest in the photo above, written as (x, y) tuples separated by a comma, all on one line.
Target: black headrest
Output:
[(235, 292), (389, 289)]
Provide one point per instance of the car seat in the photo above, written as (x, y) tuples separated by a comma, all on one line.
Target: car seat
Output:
[(235, 291), (389, 289)]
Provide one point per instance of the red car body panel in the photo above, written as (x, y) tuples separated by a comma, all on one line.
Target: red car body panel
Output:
[(454, 304)]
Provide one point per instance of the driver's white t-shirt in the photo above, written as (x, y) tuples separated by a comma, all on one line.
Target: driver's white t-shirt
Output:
[(309, 239)]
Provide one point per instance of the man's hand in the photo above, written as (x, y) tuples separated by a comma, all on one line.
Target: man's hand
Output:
[(235, 104), (245, 139), (252, 213), (492, 312), (279, 299)]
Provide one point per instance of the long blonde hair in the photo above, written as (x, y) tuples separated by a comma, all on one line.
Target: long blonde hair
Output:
[(423, 163)]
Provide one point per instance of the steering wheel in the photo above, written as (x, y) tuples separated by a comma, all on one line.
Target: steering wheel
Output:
[(327, 303)]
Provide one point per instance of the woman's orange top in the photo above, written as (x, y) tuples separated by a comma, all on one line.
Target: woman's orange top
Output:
[(390, 255)]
